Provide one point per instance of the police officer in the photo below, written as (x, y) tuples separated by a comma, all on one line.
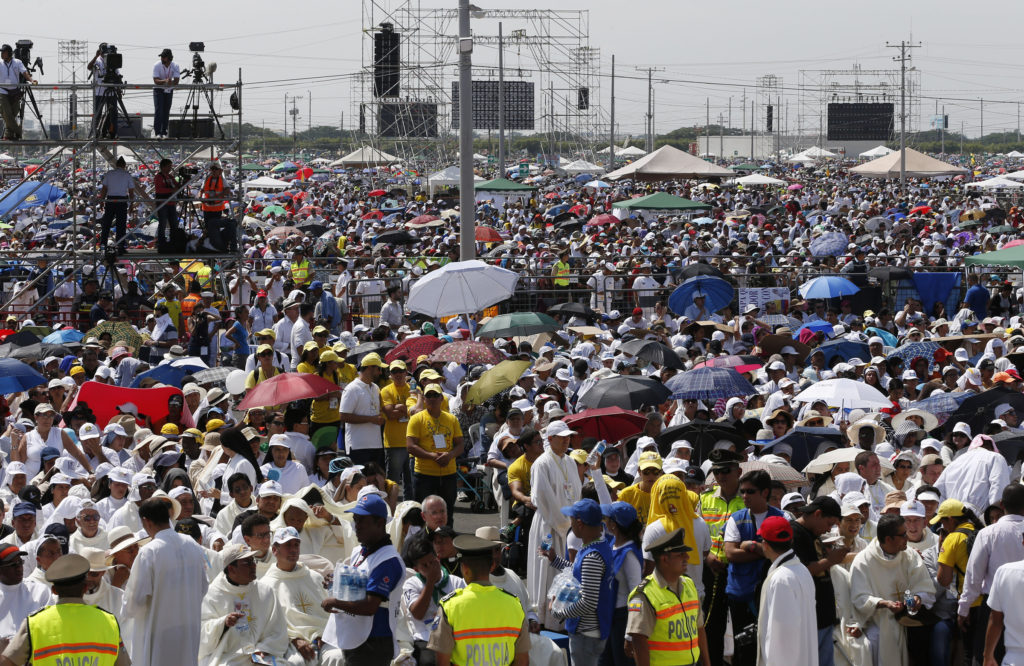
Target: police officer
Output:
[(480, 623), (71, 631), (664, 620)]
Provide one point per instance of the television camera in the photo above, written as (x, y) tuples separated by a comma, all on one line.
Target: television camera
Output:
[(23, 52), (198, 71)]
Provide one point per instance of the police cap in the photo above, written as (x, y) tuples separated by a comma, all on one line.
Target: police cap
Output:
[(67, 568), (672, 542), (470, 545)]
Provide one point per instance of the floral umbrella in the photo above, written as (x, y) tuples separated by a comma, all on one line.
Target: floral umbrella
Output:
[(467, 352)]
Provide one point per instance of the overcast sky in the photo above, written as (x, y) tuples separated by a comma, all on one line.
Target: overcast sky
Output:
[(312, 48)]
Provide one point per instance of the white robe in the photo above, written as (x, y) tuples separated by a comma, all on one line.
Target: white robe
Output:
[(19, 601), (874, 577), (977, 477), (554, 483), (127, 515), (543, 650), (107, 597), (267, 632), (787, 623), (162, 601), (300, 592), (79, 541), (108, 506)]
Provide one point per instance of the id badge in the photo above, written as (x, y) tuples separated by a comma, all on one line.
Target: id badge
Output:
[(440, 442)]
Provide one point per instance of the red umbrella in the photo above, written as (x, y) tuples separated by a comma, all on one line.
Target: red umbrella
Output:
[(488, 235), (920, 210), (287, 387), (738, 363), (608, 423), (578, 209), (551, 195), (376, 193), (303, 173), (413, 348), (467, 351), (423, 219), (603, 219), (374, 215)]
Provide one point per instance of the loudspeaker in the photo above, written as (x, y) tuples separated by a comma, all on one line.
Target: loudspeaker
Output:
[(182, 129), (583, 99), (387, 61), (768, 123), (129, 128)]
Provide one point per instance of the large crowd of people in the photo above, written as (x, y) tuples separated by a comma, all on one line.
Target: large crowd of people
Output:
[(271, 460)]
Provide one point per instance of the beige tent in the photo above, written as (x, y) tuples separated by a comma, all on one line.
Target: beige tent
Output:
[(667, 163), (365, 157), (918, 165)]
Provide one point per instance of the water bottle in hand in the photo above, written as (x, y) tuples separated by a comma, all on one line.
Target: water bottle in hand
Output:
[(596, 453), (910, 602), (546, 542)]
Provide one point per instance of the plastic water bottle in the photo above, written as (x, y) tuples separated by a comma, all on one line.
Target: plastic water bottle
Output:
[(596, 453), (565, 591), (910, 602), (545, 544)]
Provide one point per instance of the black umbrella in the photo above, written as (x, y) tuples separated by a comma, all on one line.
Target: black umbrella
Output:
[(655, 352), (626, 391), (702, 435), (395, 237), (498, 251), (979, 410), (22, 353), (22, 339), (311, 228), (1011, 445), (805, 443), (356, 354), (573, 224), (889, 273), (700, 268), (572, 309)]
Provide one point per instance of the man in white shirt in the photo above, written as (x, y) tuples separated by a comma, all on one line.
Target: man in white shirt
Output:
[(645, 290), (369, 291), (12, 73), (362, 415), (116, 194), (274, 284), (1005, 602), (241, 287), (301, 332), (263, 314), (283, 328), (165, 73)]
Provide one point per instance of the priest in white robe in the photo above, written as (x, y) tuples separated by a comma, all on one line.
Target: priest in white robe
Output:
[(554, 483), (240, 616), (19, 598)]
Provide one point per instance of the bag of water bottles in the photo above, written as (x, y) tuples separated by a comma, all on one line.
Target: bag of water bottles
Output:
[(349, 583), (565, 590)]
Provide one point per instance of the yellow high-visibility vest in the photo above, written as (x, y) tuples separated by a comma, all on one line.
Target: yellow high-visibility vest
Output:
[(486, 621), (73, 633)]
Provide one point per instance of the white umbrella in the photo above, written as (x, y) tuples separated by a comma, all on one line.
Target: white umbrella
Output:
[(844, 393), (461, 287), (826, 461), (190, 361)]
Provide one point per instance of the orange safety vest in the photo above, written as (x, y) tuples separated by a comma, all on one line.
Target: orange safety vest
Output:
[(213, 186)]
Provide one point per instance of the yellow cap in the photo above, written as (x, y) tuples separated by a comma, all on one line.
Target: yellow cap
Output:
[(195, 432), (327, 356), (321, 329), (264, 348), (430, 375), (650, 459), (266, 331), (422, 358), (169, 429), (433, 388), (612, 483), (398, 364), (340, 349), (372, 359), (579, 455), (214, 424), (951, 508), (76, 370)]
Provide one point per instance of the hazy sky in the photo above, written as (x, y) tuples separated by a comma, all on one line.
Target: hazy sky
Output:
[(312, 47)]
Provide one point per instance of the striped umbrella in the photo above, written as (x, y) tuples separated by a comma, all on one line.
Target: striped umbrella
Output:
[(709, 384), (912, 350)]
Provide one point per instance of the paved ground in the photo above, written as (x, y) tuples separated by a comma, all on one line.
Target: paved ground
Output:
[(466, 522)]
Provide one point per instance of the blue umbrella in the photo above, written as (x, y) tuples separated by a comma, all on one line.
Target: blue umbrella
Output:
[(709, 384), (815, 326), (28, 195), (805, 442), (829, 286), (16, 376), (842, 348), (942, 405), (583, 177), (165, 374), (63, 336), (556, 210), (831, 244), (888, 338), (717, 294), (912, 349), (703, 220)]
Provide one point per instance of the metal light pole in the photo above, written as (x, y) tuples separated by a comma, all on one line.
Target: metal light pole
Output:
[(467, 192), (501, 103), (611, 126)]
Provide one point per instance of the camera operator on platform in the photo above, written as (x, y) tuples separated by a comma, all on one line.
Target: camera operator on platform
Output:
[(116, 195), (165, 73), (165, 190), (98, 69), (12, 73), (220, 230)]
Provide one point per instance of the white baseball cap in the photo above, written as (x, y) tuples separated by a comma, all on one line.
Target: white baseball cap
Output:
[(558, 429), (89, 431), (680, 444), (912, 508)]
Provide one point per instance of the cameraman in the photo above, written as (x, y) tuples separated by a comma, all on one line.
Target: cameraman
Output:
[(220, 231), (12, 74), (98, 69), (165, 73), (165, 189)]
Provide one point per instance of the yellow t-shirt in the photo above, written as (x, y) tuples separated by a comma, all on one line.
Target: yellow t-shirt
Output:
[(394, 430), (519, 471), (953, 553), (307, 368), (413, 399), (257, 376), (325, 410), (435, 436), (640, 500), (348, 373)]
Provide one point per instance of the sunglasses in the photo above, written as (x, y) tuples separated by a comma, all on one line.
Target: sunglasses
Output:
[(280, 423), (263, 354), (748, 491)]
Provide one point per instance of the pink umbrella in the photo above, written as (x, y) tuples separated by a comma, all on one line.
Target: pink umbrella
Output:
[(795, 186), (600, 220), (1014, 243)]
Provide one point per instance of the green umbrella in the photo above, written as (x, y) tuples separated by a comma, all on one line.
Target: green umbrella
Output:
[(1002, 229), (120, 331), (497, 379), (517, 323), (969, 224), (273, 210), (251, 166)]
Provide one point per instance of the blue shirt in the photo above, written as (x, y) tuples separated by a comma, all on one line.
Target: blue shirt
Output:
[(977, 300), (238, 335)]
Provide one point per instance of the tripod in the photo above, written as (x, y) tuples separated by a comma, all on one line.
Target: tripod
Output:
[(105, 121), (191, 110), (30, 96)]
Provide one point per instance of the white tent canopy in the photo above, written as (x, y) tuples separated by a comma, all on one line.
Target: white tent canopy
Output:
[(365, 156), (997, 183), (228, 156), (4, 157), (582, 166), (877, 151), (1015, 153), (632, 151), (266, 183), (812, 154), (918, 165), (668, 163), (806, 159), (758, 179), (449, 177), (1016, 175)]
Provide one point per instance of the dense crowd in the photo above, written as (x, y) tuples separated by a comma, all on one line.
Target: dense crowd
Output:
[(681, 475)]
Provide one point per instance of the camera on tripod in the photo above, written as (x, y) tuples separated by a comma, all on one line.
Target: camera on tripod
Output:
[(23, 52), (112, 61), (198, 71), (187, 173)]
